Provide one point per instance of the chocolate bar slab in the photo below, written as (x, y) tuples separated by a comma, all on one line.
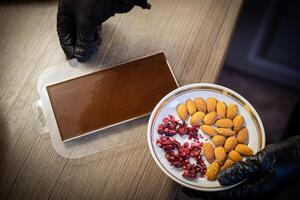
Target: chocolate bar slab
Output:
[(111, 96)]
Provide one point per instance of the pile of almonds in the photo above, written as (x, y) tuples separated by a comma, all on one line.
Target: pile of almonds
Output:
[(229, 137)]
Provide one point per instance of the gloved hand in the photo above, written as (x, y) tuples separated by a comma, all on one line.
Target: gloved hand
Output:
[(269, 172), (79, 23)]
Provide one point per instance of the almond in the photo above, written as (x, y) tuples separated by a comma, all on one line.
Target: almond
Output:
[(220, 155), (235, 156), (212, 171), (227, 164), (182, 111), (191, 107), (244, 150), (208, 151), (230, 143), (218, 140), (200, 104), (238, 123), (196, 118), (224, 123), (208, 130), (224, 131), (211, 104), (221, 109), (231, 111), (242, 136), (210, 118)]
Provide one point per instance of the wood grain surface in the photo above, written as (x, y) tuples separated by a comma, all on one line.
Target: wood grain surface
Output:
[(194, 34)]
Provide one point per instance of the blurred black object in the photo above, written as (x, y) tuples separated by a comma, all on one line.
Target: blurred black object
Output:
[(79, 23)]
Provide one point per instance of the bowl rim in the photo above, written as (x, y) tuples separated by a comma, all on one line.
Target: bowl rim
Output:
[(225, 91)]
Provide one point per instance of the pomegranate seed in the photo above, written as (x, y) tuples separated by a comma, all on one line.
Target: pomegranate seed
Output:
[(170, 127), (167, 143)]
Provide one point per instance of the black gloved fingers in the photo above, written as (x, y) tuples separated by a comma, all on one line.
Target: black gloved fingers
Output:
[(143, 4), (85, 45), (286, 153), (234, 174), (262, 162), (66, 32), (268, 172), (287, 150), (122, 6)]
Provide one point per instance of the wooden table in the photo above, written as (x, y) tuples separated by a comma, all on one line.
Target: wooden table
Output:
[(193, 33)]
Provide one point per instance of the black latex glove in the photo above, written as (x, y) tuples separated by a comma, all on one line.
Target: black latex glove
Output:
[(269, 172), (79, 23)]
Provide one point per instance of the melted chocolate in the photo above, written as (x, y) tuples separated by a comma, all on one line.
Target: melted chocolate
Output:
[(110, 96)]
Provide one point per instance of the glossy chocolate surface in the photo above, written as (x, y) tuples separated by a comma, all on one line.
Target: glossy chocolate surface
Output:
[(110, 96)]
